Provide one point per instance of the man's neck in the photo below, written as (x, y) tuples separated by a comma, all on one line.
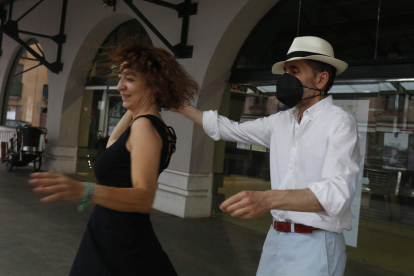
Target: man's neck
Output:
[(308, 104)]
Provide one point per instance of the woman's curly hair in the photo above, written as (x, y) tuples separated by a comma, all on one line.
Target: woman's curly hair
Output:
[(172, 86)]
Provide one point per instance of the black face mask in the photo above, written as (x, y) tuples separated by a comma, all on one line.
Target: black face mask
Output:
[(290, 90)]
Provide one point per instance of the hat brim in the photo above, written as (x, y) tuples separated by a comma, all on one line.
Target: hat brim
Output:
[(278, 68)]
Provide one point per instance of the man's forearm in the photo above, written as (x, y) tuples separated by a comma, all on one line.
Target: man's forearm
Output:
[(193, 113), (293, 200)]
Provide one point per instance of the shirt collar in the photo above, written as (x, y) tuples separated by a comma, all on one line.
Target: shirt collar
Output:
[(315, 109)]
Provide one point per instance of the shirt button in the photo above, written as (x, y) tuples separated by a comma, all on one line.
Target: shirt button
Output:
[(291, 168), (294, 146)]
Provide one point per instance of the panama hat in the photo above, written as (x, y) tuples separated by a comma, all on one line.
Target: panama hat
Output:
[(311, 47)]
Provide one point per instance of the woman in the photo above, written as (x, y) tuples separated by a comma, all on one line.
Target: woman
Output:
[(119, 238)]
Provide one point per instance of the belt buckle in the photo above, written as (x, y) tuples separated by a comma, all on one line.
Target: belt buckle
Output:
[(283, 226), (287, 227)]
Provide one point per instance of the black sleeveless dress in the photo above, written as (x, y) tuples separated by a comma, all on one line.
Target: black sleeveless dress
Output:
[(121, 243)]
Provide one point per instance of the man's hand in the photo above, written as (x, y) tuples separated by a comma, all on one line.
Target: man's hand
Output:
[(247, 204), (191, 113), (254, 204), (175, 110)]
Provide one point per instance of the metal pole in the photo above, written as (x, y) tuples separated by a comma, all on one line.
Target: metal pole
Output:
[(62, 30), (162, 3), (186, 24), (377, 35), (32, 8), (35, 34), (11, 10), (148, 23)]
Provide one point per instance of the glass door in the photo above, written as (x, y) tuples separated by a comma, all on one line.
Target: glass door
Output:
[(385, 219), (101, 111)]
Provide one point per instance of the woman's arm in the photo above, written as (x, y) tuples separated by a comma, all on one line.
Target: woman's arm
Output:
[(122, 125), (145, 146)]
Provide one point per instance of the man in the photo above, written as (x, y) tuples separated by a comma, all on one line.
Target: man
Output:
[(314, 164)]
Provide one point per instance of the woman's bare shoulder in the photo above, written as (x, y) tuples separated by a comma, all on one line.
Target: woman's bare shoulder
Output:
[(143, 132)]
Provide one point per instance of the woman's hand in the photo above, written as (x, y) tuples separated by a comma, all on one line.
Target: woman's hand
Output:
[(60, 186)]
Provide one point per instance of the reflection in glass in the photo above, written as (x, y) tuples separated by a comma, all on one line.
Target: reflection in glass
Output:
[(26, 97)]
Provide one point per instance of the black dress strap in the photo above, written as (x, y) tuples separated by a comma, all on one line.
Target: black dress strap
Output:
[(168, 137)]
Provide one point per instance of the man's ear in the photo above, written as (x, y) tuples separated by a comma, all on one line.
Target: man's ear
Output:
[(322, 80)]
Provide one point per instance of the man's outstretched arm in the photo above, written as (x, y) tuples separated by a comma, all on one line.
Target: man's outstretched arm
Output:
[(192, 113), (256, 132)]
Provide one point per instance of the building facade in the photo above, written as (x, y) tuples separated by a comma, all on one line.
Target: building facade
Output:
[(234, 42)]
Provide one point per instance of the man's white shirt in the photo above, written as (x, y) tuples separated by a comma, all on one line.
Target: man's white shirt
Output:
[(321, 153)]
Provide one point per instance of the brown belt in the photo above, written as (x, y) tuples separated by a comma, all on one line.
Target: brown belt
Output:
[(282, 226)]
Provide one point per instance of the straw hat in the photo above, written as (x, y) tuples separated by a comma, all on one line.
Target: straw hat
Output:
[(314, 48)]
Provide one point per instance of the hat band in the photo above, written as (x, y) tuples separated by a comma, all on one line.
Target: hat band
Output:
[(303, 54)]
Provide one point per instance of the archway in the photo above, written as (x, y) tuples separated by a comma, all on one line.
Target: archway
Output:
[(26, 94), (102, 104)]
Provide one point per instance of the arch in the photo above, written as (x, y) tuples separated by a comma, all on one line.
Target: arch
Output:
[(23, 99), (130, 30), (78, 76), (218, 73)]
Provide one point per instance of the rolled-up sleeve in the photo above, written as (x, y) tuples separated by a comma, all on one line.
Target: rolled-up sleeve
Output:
[(257, 132), (340, 172)]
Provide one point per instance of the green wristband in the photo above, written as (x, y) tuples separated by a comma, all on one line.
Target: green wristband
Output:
[(87, 195)]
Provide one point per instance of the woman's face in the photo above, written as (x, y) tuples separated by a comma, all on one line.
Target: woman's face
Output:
[(134, 90)]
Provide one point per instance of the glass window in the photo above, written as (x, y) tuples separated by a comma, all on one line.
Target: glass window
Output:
[(386, 216), (245, 166), (24, 98)]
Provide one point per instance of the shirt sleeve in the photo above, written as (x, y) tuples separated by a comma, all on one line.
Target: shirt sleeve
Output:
[(341, 168), (255, 132)]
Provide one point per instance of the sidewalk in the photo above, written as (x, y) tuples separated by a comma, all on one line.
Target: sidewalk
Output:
[(38, 239), (42, 239)]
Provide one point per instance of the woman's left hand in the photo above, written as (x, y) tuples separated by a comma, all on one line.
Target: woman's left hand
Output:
[(60, 186)]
